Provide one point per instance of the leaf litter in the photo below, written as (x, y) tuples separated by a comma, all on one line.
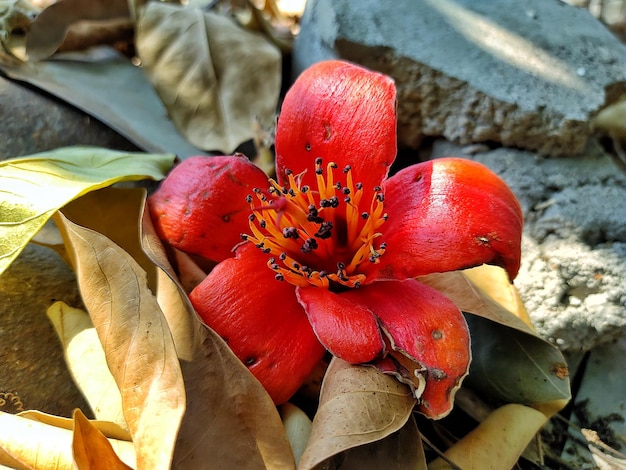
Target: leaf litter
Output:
[(200, 403)]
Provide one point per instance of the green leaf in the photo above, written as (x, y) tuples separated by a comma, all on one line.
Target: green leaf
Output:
[(515, 367), (32, 188)]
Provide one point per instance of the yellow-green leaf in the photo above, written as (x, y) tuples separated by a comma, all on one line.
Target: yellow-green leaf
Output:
[(32, 188)]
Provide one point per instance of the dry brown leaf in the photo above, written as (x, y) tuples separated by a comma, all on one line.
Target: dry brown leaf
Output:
[(48, 31), (214, 78), (401, 450), (86, 362), (91, 449), (29, 444), (108, 428), (497, 442), (469, 298), (231, 420), (494, 281), (358, 405), (136, 340)]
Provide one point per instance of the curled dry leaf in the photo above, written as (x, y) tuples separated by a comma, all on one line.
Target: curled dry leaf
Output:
[(136, 341), (214, 78), (401, 450), (28, 444), (91, 449), (497, 442), (48, 31), (108, 428), (86, 362), (230, 421), (358, 405)]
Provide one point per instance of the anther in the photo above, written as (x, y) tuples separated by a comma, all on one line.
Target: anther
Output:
[(256, 190), (266, 250), (288, 172), (325, 203), (377, 188), (334, 202), (380, 197), (309, 245), (248, 199), (318, 161), (319, 171), (251, 217), (291, 232), (347, 168), (324, 231), (341, 266), (347, 199), (282, 256), (279, 277), (304, 189), (262, 223), (359, 186), (346, 191), (364, 215), (243, 236)]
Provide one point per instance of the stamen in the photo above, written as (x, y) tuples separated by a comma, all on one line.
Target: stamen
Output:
[(309, 230)]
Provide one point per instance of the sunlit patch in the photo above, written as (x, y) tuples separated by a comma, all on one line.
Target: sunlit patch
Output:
[(323, 235)]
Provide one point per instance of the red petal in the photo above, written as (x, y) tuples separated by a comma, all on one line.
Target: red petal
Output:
[(348, 330), (200, 208), (261, 320), (449, 214), (340, 112), (426, 327)]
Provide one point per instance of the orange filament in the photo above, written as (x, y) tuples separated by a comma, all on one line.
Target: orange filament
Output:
[(318, 236)]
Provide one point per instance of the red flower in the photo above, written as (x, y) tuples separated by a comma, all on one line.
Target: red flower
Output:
[(332, 246)]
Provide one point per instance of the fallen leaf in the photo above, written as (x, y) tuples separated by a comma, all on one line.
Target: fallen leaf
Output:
[(15, 16), (297, 427), (136, 341), (91, 449), (29, 444), (358, 406), (497, 442), (214, 78), (86, 362), (399, 451), (35, 187), (49, 29), (108, 87), (230, 420), (515, 367), (494, 281), (470, 298), (108, 428)]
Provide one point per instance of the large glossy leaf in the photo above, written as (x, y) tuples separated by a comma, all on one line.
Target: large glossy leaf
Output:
[(139, 349), (32, 188), (231, 420), (358, 405), (215, 78), (515, 367)]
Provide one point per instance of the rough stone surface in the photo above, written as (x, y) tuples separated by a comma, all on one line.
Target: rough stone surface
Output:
[(31, 358), (32, 366), (526, 74), (573, 274)]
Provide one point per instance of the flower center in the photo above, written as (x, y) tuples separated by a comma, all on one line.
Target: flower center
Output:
[(321, 236)]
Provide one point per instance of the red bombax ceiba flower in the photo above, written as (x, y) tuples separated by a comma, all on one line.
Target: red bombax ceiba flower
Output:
[(332, 247)]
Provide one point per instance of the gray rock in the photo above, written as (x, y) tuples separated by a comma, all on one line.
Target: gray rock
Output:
[(33, 121), (527, 74), (573, 274)]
